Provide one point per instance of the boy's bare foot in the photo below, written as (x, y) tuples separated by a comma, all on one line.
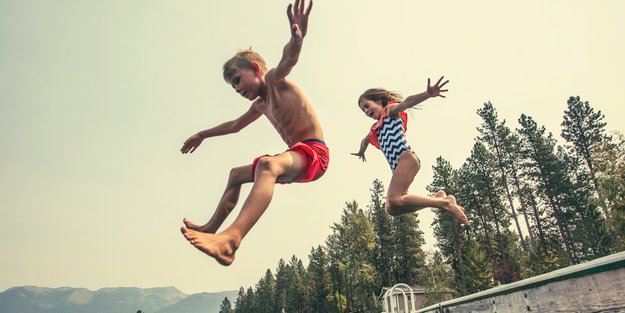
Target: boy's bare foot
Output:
[(193, 226), (440, 194), (221, 246), (456, 211)]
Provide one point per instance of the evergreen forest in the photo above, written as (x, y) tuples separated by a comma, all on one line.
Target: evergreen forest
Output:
[(535, 203)]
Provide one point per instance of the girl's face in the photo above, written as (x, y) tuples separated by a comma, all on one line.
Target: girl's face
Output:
[(372, 109)]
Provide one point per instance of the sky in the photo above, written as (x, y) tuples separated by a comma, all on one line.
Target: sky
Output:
[(97, 97)]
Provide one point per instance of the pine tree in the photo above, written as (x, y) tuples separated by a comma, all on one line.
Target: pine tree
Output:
[(354, 238), (226, 306), (584, 129), (498, 137), (265, 294), (297, 293), (480, 172), (610, 165), (438, 279), (284, 274), (588, 227), (408, 242), (384, 257), (238, 304), (448, 234), (319, 281), (246, 301), (549, 174), (479, 274), (337, 254)]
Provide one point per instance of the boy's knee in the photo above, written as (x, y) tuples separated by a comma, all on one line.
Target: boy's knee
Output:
[(238, 174), (266, 164)]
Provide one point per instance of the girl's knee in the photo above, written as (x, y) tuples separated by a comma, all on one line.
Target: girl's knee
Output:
[(391, 204), (394, 201)]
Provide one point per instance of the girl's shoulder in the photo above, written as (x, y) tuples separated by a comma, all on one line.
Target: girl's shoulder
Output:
[(392, 109), (388, 111)]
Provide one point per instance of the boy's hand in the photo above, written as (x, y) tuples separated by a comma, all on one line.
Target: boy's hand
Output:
[(435, 91), (298, 18), (191, 144)]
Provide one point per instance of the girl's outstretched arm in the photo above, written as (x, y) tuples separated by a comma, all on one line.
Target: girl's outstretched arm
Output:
[(363, 147), (409, 102)]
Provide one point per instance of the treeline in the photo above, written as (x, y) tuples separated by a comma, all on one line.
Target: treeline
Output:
[(533, 205)]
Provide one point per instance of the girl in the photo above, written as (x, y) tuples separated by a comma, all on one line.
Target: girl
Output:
[(388, 135)]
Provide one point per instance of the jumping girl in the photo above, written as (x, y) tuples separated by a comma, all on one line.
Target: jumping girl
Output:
[(388, 134)]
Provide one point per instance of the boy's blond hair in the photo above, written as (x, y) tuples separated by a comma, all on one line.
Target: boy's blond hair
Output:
[(243, 59)]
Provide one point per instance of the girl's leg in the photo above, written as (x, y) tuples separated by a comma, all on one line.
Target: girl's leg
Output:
[(286, 166), (398, 202), (238, 177)]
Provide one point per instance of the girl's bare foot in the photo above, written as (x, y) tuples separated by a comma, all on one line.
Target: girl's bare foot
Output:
[(201, 228), (456, 211), (440, 194), (221, 246)]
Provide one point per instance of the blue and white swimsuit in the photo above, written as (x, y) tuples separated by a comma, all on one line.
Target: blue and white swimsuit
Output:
[(389, 135)]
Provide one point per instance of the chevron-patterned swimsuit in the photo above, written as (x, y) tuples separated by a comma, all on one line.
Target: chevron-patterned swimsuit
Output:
[(392, 138)]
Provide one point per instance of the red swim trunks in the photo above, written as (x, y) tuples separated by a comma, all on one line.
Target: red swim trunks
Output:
[(315, 152)]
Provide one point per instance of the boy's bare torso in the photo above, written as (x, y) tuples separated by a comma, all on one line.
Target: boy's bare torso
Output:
[(288, 110)]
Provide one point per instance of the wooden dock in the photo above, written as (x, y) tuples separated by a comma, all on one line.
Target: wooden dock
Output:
[(594, 286)]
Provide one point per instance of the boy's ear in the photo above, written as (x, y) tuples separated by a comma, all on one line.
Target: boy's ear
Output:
[(256, 68)]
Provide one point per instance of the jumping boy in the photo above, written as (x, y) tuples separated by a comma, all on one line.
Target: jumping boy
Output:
[(293, 117)]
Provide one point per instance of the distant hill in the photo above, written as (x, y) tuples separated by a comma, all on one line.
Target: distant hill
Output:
[(29, 299), (200, 302)]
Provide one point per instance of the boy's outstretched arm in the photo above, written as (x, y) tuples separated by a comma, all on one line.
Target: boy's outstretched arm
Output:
[(409, 102), (222, 129), (298, 20)]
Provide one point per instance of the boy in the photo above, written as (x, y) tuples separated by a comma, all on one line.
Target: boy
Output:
[(293, 117)]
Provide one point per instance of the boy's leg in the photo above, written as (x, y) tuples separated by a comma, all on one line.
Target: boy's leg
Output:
[(238, 176), (286, 166), (398, 202)]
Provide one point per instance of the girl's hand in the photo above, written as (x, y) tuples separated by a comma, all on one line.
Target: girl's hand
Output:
[(191, 144), (360, 155), (435, 91)]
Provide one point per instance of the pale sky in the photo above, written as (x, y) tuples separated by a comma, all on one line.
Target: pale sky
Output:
[(97, 97)]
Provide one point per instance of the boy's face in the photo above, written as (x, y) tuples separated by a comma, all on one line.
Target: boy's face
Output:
[(246, 82), (372, 109)]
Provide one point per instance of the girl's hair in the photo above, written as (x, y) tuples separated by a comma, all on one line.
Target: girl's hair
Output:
[(243, 59), (382, 95)]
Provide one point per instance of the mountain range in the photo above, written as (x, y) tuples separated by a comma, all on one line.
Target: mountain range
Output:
[(30, 299)]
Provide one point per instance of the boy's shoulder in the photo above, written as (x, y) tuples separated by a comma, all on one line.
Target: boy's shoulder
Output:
[(270, 76), (260, 105), (278, 85)]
